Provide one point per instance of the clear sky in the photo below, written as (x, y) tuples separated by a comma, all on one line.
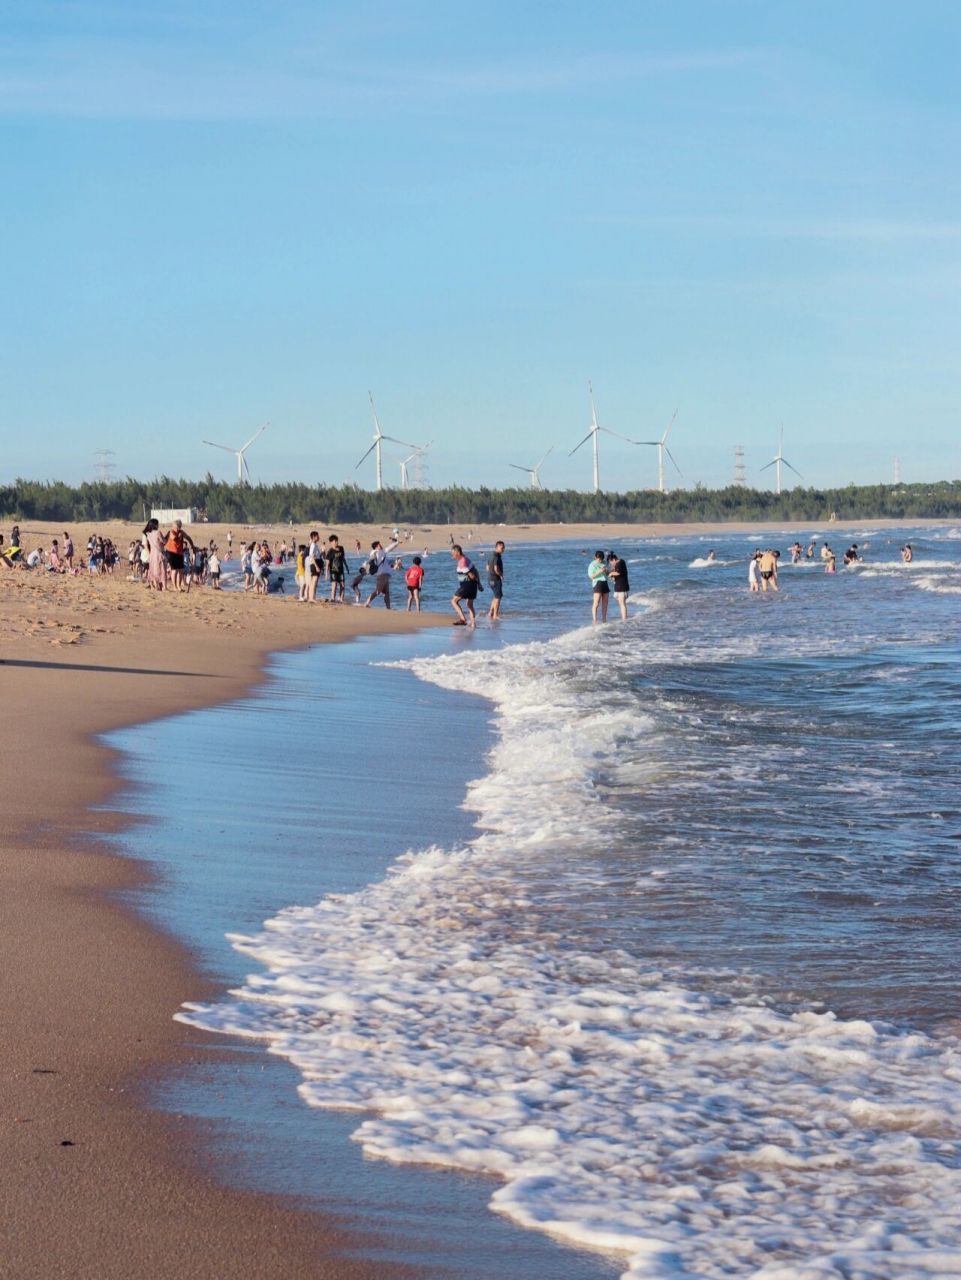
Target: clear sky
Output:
[(217, 213)]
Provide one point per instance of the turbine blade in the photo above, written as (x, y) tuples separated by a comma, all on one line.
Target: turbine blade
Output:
[(584, 441), (663, 439), (367, 454), (794, 469), (253, 437), (393, 439), (671, 456), (617, 436), (544, 459), (770, 464), (529, 470), (225, 447), (373, 411)]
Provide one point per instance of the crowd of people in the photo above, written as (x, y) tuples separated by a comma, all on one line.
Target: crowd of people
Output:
[(762, 572), (174, 561)]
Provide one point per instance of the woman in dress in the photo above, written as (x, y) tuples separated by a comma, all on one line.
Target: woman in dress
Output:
[(156, 569)]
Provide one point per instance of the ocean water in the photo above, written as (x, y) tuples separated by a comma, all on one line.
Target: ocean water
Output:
[(682, 978)]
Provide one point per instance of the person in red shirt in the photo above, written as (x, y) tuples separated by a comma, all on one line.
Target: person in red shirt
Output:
[(414, 578)]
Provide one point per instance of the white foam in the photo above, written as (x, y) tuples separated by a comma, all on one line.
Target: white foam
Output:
[(696, 1134)]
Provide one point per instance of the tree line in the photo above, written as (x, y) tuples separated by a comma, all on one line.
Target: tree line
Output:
[(303, 504)]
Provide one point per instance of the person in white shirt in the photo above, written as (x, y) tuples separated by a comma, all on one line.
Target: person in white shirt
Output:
[(380, 566)]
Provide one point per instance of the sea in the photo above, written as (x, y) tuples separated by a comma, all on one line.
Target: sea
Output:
[(619, 950)]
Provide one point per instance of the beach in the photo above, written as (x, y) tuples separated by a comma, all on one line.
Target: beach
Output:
[(96, 1183)]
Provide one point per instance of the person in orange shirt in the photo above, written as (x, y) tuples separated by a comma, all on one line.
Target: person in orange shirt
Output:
[(174, 546)]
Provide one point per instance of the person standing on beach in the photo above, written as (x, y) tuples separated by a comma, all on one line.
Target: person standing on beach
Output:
[(176, 543), (617, 573), (337, 567), (315, 558), (156, 568), (467, 581), (495, 580), (379, 567), (597, 572), (230, 542), (67, 550)]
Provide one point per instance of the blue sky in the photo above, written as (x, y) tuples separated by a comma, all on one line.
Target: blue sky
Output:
[(218, 214)]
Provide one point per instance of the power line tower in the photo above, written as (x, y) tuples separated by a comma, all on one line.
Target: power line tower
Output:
[(740, 475), (105, 467), (418, 479), (897, 470)]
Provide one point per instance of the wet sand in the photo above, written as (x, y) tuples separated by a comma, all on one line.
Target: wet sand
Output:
[(93, 1183)]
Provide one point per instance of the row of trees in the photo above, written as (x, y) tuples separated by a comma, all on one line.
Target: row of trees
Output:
[(304, 504)]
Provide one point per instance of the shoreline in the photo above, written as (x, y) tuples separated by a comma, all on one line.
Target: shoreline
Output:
[(95, 1182), (93, 982)]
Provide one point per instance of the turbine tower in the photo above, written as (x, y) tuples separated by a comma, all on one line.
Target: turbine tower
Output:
[(535, 471), (592, 436), (776, 462), (240, 454), (661, 450), (378, 437)]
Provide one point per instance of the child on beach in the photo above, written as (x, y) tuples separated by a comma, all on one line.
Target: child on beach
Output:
[(301, 574), (414, 578), (356, 583)]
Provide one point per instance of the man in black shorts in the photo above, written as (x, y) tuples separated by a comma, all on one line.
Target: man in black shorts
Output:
[(617, 577), (336, 567), (466, 587), (495, 579)]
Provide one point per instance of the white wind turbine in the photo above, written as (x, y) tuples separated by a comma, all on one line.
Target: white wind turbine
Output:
[(378, 437), (776, 462), (535, 471), (240, 453), (661, 450), (592, 435)]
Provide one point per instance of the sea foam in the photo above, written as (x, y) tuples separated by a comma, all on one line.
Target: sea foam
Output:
[(694, 1133)]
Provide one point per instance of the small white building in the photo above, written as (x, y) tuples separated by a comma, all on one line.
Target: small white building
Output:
[(167, 515)]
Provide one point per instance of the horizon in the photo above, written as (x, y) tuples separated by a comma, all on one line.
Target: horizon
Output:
[(221, 216)]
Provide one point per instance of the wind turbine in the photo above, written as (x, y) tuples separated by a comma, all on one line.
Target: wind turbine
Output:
[(239, 453), (661, 450), (378, 437), (777, 460), (592, 435), (535, 471), (404, 478)]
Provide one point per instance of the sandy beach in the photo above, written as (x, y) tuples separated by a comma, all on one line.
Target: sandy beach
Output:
[(94, 1183)]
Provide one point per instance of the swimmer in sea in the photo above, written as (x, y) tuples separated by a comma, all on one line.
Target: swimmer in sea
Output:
[(768, 567), (907, 555), (754, 572), (711, 557)]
